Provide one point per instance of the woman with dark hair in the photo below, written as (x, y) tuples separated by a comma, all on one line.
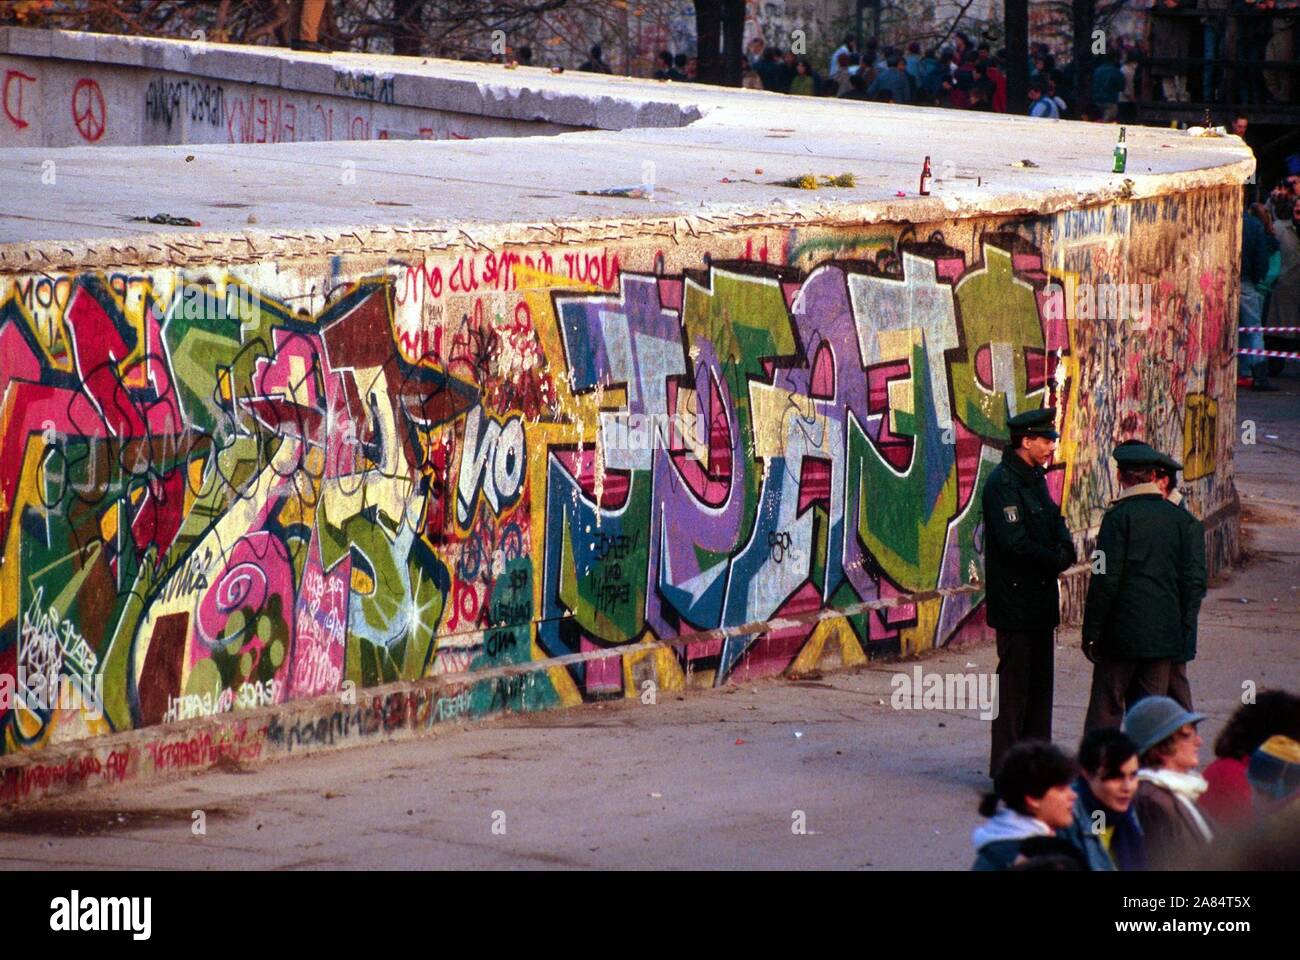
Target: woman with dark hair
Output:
[(1274, 713), (1105, 827), (804, 83), (1032, 798)]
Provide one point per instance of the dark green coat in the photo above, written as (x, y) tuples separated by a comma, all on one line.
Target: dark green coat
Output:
[(1196, 536), (1145, 604), (1026, 544)]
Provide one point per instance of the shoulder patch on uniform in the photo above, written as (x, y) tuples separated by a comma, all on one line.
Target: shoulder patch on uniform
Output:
[(1011, 513)]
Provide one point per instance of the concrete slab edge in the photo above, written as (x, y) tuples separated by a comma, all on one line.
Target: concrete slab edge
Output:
[(186, 248)]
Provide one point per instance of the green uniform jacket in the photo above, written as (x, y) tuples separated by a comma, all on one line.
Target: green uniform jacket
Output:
[(1145, 603), (1026, 544), (1196, 534)]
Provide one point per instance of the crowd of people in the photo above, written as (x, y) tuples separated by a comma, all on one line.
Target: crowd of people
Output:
[(964, 74), (1132, 798), (958, 74), (1270, 274)]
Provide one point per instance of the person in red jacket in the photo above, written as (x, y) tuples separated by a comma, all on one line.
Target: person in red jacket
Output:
[(994, 72), (1228, 799)]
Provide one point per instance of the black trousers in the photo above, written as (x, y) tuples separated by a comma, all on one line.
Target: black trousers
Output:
[(1025, 677), (1118, 684)]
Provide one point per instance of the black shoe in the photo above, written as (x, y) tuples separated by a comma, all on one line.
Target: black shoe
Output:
[(1263, 387)]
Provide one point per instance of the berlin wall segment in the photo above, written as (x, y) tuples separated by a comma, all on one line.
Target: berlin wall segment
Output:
[(229, 487)]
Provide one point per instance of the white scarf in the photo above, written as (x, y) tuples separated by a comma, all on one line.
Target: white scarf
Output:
[(1186, 788)]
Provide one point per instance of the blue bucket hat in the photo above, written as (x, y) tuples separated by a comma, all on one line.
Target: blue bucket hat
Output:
[(1153, 720)]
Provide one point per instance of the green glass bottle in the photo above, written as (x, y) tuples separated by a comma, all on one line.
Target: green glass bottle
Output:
[(1121, 153)]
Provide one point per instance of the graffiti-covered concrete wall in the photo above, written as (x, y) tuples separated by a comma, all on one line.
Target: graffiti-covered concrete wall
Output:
[(227, 485), (302, 444)]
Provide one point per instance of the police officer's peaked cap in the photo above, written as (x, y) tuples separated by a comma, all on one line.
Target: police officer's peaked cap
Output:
[(1034, 423), (1169, 463), (1137, 454), (1161, 460)]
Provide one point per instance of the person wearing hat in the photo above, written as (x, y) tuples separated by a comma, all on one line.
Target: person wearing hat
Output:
[(1026, 545), (1274, 773), (1180, 687), (1174, 827), (1143, 593), (1229, 800)]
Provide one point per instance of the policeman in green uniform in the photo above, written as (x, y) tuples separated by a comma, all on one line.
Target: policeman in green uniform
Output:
[(1180, 688), (1144, 593), (1026, 544)]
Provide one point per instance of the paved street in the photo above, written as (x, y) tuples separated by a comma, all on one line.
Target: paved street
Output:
[(714, 780)]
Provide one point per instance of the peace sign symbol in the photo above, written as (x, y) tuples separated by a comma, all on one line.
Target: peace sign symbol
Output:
[(88, 109)]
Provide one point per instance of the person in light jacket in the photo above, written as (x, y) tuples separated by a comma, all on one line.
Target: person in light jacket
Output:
[(1032, 798)]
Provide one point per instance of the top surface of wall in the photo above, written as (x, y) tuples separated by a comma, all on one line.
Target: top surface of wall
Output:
[(427, 82), (704, 171)]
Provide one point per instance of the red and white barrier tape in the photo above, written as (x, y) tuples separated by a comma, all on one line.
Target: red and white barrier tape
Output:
[(1281, 354), (1268, 329)]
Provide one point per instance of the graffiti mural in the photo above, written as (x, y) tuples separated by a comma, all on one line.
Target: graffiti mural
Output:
[(222, 490), (1200, 435)]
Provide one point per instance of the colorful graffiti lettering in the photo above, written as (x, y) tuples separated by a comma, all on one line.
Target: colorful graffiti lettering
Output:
[(833, 432)]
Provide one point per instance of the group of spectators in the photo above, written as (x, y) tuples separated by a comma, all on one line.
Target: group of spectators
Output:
[(959, 74), (968, 75), (1133, 798), (962, 74), (668, 66), (1270, 274)]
